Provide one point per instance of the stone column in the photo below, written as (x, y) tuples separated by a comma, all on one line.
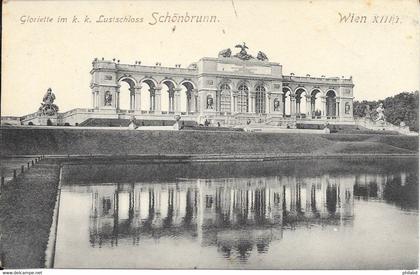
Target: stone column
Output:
[(158, 94), (93, 100), (194, 98), (232, 103), (249, 102), (117, 98), (337, 107), (283, 104), (177, 98), (171, 99), (98, 99), (324, 106), (280, 99), (131, 98), (189, 97), (152, 99), (196, 105), (217, 101), (137, 98), (131, 101), (292, 105), (252, 104), (267, 102), (308, 106)]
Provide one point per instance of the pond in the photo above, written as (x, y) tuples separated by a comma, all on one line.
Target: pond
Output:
[(312, 214)]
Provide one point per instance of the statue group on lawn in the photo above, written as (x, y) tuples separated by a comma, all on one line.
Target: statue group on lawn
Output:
[(376, 115), (380, 111), (48, 108)]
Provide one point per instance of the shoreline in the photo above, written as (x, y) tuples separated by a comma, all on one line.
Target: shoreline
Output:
[(174, 158)]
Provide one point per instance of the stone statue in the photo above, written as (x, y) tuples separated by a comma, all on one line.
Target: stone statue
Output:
[(347, 108), (108, 99), (243, 55), (132, 124), (49, 97), (209, 102), (262, 56), (380, 111), (367, 112), (48, 108), (225, 53), (177, 125), (276, 105)]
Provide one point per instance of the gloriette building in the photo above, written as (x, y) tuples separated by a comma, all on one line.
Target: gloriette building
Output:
[(232, 89)]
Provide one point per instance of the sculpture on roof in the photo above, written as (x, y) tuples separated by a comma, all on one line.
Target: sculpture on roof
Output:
[(225, 53), (243, 54), (262, 56)]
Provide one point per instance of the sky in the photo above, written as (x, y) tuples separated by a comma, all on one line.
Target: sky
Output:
[(306, 37)]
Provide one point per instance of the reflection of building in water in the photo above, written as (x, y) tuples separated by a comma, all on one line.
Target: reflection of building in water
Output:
[(235, 215), (239, 215), (128, 211)]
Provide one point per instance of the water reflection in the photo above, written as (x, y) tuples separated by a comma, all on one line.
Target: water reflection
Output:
[(237, 217), (399, 188)]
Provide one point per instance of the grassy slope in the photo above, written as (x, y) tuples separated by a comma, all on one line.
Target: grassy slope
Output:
[(87, 141), (68, 141), (26, 209)]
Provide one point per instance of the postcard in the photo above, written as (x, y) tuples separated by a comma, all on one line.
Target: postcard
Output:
[(210, 135)]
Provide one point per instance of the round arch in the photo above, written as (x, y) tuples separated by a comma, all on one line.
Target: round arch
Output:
[(300, 90), (331, 99), (261, 83), (300, 95), (167, 102), (126, 86), (149, 81), (167, 80), (128, 79), (188, 82), (225, 82), (148, 90), (243, 83), (188, 101), (316, 102), (331, 92)]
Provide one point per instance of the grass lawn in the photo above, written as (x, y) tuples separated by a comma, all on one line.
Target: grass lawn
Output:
[(26, 209)]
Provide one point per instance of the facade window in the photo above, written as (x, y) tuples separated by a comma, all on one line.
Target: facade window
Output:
[(242, 99), (260, 100), (225, 98)]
